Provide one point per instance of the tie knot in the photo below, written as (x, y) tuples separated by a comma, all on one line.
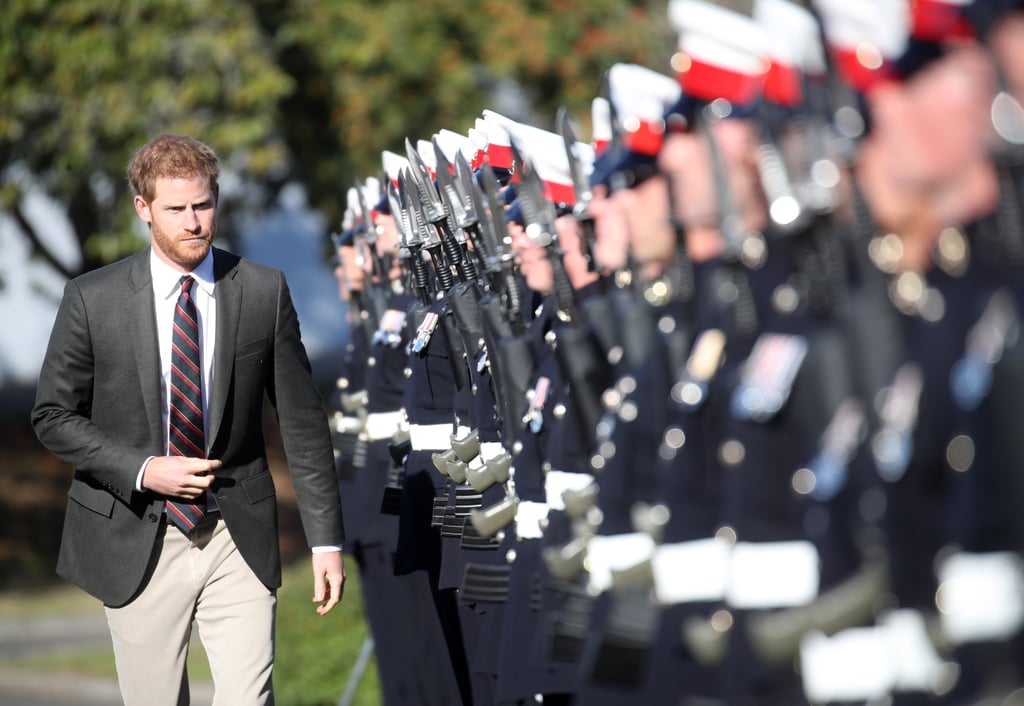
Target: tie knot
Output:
[(186, 283)]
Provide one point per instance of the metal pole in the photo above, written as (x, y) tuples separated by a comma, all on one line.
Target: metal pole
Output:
[(357, 672)]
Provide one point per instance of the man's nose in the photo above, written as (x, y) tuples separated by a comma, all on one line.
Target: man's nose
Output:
[(191, 220)]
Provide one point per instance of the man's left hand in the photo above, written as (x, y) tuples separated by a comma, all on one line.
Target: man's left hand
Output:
[(328, 580)]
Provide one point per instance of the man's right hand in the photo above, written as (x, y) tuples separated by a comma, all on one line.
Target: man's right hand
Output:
[(179, 476)]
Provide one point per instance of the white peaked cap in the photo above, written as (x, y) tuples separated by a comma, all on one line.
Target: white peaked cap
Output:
[(393, 164), (452, 143), (638, 92), (794, 37), (546, 152), (600, 123), (640, 98), (727, 50), (425, 148), (883, 23), (371, 191)]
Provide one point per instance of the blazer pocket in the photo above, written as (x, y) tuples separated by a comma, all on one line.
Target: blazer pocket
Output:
[(259, 487), (96, 499), (250, 348)]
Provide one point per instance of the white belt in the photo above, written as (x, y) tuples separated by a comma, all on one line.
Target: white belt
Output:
[(981, 596), (430, 437), (383, 425), (772, 575), (749, 575), (687, 572), (490, 450), (557, 482), (617, 552), (858, 664), (433, 437), (529, 517)]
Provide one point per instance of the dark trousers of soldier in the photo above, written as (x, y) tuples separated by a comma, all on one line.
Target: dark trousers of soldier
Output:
[(482, 612), (419, 551), (408, 638)]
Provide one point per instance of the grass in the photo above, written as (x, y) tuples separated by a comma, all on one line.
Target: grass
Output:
[(51, 601), (315, 654)]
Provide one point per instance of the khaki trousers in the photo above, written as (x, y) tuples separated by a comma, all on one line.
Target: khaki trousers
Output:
[(199, 577)]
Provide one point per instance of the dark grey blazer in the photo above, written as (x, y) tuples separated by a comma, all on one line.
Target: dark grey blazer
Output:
[(98, 408)]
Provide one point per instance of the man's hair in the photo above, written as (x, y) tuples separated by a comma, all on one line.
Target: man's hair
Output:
[(170, 156)]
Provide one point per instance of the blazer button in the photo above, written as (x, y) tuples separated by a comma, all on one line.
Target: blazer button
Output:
[(153, 517)]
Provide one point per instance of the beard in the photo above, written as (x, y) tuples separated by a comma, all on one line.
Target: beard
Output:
[(183, 249)]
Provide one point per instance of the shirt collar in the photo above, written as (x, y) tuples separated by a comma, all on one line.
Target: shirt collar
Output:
[(166, 278)]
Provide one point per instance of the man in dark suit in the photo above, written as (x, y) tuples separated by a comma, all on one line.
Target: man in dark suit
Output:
[(172, 514)]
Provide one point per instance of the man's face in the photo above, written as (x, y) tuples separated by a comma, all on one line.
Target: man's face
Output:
[(651, 237), (611, 232), (935, 124), (182, 218), (350, 272)]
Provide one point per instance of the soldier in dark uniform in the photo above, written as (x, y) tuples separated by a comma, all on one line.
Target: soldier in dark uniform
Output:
[(428, 400), (408, 638), (531, 663)]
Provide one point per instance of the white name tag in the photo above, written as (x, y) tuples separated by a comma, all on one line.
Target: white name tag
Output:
[(772, 575), (615, 553), (690, 571)]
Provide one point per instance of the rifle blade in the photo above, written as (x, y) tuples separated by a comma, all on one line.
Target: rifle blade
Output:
[(453, 203), (580, 182), (431, 207), (537, 210)]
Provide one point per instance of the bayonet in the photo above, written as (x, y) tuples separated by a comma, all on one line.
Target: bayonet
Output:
[(430, 201), (474, 216), (503, 258), (378, 282), (455, 247), (580, 182), (581, 187), (539, 214), (411, 239), (429, 237)]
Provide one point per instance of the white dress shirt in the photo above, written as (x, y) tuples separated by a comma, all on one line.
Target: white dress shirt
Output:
[(166, 289)]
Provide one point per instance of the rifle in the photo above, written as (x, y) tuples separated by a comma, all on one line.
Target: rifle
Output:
[(580, 361), (366, 233), (435, 220)]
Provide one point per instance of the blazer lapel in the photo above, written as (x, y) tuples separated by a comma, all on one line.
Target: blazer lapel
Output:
[(141, 318), (228, 291)]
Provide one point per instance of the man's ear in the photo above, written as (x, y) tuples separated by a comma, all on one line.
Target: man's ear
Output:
[(142, 208)]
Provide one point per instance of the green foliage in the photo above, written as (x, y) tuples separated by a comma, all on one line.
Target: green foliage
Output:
[(83, 83), (301, 90), (407, 69)]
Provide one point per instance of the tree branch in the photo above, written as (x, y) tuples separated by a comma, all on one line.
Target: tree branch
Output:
[(38, 248)]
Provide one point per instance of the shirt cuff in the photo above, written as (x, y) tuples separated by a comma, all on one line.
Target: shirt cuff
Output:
[(327, 548), (142, 472)]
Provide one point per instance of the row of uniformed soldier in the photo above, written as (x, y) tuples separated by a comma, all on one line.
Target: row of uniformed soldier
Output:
[(719, 407)]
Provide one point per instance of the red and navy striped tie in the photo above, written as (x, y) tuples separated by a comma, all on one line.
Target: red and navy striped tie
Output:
[(185, 430)]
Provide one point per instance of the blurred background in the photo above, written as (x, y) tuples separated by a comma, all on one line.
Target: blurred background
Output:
[(299, 98)]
